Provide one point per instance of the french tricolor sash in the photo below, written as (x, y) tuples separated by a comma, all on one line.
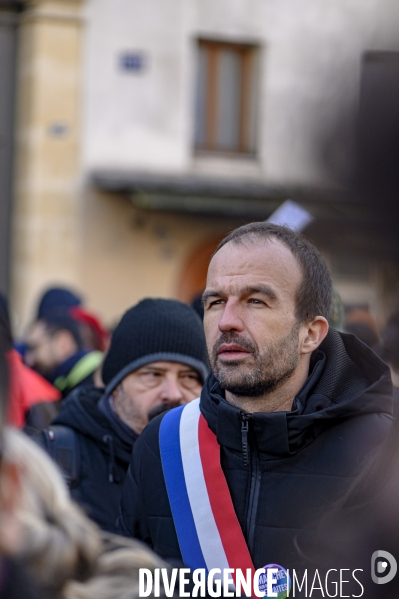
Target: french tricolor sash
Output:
[(207, 527)]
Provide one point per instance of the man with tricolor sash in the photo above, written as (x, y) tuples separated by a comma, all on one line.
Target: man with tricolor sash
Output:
[(287, 418)]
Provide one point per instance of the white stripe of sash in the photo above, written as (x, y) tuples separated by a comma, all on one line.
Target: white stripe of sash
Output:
[(208, 534)]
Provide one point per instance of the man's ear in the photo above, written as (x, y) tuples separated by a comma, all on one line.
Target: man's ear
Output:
[(115, 391), (314, 333)]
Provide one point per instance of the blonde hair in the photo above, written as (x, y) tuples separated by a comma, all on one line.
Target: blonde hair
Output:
[(117, 572), (63, 550), (58, 541)]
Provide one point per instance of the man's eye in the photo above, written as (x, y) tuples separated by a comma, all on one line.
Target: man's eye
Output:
[(150, 379), (254, 300), (150, 375), (216, 302), (190, 381)]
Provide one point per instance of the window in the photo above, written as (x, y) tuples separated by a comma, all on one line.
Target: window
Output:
[(225, 98)]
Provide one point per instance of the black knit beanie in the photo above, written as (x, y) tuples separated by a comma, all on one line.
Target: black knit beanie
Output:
[(155, 330)]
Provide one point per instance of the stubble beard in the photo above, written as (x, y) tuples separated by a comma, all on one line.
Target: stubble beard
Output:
[(130, 414), (161, 408), (127, 410), (270, 371)]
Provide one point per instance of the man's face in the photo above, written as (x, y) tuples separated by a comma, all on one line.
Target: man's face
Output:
[(41, 352), (153, 388), (250, 323)]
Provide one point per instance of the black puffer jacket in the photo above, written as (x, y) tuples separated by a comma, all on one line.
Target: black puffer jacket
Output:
[(297, 464), (104, 456)]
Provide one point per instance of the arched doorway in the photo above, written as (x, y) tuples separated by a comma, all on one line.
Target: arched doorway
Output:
[(193, 277)]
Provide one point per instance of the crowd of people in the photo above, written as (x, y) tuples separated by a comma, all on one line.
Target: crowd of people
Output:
[(251, 435)]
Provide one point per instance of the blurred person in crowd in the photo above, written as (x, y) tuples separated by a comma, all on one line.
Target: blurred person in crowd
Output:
[(361, 316), (14, 580), (388, 349), (336, 316), (61, 306), (157, 360), (54, 301), (93, 333), (27, 388), (62, 301), (57, 300), (364, 332), (54, 347), (55, 541), (57, 545), (288, 416), (116, 575)]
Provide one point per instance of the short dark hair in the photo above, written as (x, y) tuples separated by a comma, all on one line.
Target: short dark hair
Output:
[(61, 322), (313, 297)]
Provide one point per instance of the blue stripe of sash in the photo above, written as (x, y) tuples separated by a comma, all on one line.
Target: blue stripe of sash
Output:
[(169, 441)]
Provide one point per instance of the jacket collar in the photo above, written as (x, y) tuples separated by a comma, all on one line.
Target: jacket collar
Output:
[(122, 430), (80, 411), (64, 368)]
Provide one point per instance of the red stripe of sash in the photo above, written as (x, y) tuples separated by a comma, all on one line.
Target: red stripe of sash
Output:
[(226, 520)]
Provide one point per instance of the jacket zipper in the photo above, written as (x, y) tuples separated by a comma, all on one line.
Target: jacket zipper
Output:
[(244, 437), (111, 465), (251, 457)]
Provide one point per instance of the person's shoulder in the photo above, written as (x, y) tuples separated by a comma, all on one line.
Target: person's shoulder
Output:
[(40, 415), (79, 404), (85, 393), (148, 440)]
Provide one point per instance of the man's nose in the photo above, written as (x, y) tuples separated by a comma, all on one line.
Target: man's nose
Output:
[(171, 390), (231, 318)]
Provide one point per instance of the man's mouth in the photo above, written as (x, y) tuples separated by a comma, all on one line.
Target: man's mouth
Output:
[(161, 408), (232, 351)]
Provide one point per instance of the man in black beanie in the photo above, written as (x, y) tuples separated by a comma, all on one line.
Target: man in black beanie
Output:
[(157, 360)]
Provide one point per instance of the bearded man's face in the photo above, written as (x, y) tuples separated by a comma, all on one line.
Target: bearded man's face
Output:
[(270, 368), (250, 317)]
